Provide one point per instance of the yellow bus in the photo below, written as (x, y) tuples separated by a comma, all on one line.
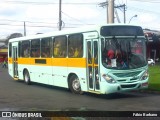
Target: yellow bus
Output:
[(100, 59)]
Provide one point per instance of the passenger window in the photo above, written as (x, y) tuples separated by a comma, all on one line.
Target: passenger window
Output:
[(46, 47), (26, 48), (19, 49), (35, 48), (60, 47), (10, 49), (75, 46)]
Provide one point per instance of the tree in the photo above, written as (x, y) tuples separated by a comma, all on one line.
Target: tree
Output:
[(13, 35)]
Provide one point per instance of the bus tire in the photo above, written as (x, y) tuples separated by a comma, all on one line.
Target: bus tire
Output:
[(74, 85), (26, 77)]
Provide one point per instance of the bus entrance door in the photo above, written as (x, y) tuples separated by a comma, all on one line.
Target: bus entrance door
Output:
[(15, 62), (92, 65)]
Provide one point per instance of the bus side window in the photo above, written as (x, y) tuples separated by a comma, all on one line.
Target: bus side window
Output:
[(46, 47), (19, 49), (60, 47), (75, 46), (10, 49), (25, 48), (35, 48)]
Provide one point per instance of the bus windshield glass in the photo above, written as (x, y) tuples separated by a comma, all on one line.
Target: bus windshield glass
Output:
[(123, 53)]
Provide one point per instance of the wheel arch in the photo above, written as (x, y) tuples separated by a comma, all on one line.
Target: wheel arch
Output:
[(70, 80)]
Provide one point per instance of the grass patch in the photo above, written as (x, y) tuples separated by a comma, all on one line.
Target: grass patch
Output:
[(154, 77)]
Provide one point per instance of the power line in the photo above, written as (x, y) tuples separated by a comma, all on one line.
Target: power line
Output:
[(26, 25), (48, 3), (77, 24), (33, 26), (73, 18), (143, 10), (150, 1), (13, 23), (25, 21)]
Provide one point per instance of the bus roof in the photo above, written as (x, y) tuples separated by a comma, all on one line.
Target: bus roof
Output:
[(67, 31)]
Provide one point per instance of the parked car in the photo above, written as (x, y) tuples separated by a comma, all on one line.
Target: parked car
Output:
[(151, 62)]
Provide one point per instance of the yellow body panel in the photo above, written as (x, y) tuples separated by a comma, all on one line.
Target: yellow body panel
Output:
[(63, 62)]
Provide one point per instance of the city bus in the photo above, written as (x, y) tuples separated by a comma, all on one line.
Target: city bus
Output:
[(100, 59)]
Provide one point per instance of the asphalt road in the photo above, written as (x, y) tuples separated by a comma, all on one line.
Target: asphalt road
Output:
[(16, 95)]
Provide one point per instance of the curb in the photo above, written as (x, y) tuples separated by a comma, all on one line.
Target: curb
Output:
[(150, 91)]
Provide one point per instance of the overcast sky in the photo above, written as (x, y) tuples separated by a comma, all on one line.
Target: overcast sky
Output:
[(41, 16)]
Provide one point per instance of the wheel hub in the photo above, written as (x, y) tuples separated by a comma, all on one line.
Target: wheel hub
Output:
[(76, 84)]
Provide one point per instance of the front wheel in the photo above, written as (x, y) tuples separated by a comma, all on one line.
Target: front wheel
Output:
[(74, 85), (27, 77)]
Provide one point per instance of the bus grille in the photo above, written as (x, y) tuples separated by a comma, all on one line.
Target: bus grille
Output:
[(128, 74), (123, 80), (128, 81), (128, 86)]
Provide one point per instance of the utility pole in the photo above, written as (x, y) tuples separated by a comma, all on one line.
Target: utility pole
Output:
[(109, 4), (116, 13), (124, 11), (111, 11), (60, 16), (24, 28)]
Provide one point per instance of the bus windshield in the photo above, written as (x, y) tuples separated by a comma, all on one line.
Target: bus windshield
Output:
[(123, 53)]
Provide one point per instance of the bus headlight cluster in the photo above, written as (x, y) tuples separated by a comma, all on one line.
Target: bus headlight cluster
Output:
[(145, 75), (108, 78)]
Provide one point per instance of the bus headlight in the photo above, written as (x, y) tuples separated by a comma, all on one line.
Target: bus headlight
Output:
[(145, 75), (108, 78)]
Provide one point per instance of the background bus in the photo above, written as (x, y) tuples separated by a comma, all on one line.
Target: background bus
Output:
[(102, 59)]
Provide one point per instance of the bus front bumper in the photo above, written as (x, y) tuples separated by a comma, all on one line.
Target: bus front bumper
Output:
[(116, 87)]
